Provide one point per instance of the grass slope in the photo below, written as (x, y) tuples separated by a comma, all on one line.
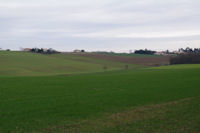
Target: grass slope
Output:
[(180, 116), (35, 103), (29, 64)]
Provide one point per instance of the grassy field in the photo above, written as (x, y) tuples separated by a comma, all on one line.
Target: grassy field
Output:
[(180, 116), (134, 100), (29, 64)]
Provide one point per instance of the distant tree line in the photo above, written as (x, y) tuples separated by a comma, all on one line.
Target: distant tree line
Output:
[(43, 51), (5, 49), (141, 51), (187, 58), (190, 50)]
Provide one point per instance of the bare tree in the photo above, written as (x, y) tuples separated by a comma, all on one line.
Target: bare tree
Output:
[(105, 68), (126, 67)]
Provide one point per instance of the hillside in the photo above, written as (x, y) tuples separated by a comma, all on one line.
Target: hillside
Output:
[(139, 59), (32, 64), (37, 96), (24, 63)]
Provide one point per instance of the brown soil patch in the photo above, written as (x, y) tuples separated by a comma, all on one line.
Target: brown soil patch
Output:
[(149, 61)]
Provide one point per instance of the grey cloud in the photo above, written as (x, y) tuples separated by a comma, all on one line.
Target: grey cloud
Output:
[(99, 24)]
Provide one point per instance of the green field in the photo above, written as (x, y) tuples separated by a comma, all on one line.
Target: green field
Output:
[(30, 64), (160, 99)]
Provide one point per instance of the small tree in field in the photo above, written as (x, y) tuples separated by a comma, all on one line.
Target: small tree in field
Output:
[(126, 67), (105, 68)]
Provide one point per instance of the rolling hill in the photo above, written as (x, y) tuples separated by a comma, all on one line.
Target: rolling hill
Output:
[(72, 93), (31, 64)]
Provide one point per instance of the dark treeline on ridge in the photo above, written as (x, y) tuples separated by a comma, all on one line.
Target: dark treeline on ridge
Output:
[(144, 52), (41, 50), (188, 58)]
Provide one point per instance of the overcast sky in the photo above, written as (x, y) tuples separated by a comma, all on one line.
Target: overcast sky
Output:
[(117, 25)]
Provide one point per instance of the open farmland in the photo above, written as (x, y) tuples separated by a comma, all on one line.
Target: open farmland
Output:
[(99, 66), (145, 60), (134, 100), (30, 64)]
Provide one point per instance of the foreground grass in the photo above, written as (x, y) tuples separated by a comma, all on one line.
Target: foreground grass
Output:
[(34, 103), (178, 116)]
